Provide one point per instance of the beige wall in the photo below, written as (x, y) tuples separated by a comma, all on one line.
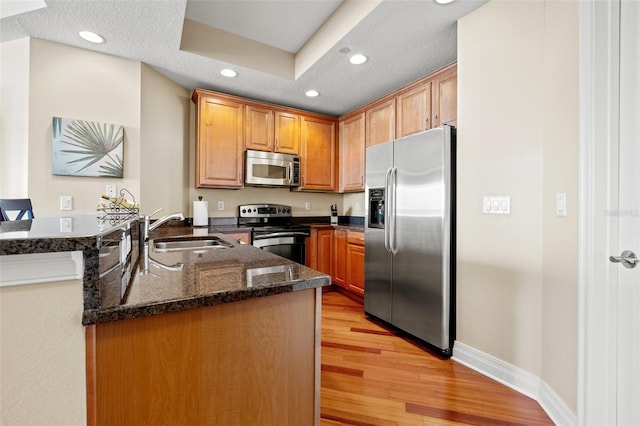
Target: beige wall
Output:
[(560, 175), (42, 361), (517, 136), (14, 122), (75, 83), (159, 120), (164, 151)]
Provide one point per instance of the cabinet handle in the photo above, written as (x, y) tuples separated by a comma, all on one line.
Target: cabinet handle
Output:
[(276, 140), (427, 123)]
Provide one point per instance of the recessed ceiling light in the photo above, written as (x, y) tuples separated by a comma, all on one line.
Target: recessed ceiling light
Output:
[(358, 59), (312, 93), (444, 1), (92, 37), (228, 72)]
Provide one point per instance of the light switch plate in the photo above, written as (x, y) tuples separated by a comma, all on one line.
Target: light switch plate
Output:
[(66, 202), (561, 204), (496, 205)]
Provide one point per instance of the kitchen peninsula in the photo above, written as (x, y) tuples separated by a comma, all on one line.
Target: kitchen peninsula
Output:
[(196, 336)]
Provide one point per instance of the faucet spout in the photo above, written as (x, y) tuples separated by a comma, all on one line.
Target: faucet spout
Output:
[(174, 216), (147, 226)]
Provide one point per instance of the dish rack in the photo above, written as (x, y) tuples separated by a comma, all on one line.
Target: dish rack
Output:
[(119, 208)]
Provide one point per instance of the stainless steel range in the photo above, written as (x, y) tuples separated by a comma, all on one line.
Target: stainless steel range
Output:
[(273, 230)]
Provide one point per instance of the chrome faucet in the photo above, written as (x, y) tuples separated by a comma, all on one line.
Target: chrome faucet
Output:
[(146, 226)]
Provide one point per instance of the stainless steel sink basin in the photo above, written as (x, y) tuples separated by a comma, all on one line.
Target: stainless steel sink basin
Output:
[(189, 243)]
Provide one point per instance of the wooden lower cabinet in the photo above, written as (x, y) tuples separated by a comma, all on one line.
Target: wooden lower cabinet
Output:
[(355, 262), (255, 361), (338, 252)]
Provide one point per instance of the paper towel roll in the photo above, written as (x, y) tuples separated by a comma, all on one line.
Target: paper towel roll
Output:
[(200, 213)]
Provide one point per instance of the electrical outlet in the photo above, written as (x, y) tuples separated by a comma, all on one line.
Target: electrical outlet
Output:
[(111, 190), (220, 205), (66, 202), (307, 205), (66, 224)]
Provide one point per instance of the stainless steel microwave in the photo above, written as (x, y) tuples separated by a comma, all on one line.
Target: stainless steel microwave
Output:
[(271, 169)]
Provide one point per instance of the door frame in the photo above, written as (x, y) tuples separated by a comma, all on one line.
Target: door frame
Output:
[(598, 201)]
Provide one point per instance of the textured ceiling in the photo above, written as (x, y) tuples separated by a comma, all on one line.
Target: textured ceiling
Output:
[(404, 40)]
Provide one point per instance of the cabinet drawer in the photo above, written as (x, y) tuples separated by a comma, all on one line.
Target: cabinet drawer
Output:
[(355, 237)]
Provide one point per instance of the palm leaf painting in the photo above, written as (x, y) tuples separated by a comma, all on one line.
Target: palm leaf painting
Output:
[(87, 148)]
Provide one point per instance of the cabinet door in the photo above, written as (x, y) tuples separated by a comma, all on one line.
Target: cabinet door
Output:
[(381, 122), (352, 146), (355, 268), (287, 133), (219, 140), (339, 258), (259, 128), (318, 154), (414, 110), (445, 98), (325, 251)]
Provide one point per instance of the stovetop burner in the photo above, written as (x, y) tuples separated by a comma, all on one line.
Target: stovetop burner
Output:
[(268, 218)]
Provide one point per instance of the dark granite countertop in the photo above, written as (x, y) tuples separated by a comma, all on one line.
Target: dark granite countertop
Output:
[(160, 282), (178, 280)]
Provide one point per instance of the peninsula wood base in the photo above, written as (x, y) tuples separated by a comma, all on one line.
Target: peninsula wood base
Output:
[(255, 361)]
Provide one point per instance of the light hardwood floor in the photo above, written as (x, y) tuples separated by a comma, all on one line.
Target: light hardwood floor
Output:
[(372, 377)]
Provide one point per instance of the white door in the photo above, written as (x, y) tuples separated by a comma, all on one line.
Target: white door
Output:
[(628, 272), (609, 287)]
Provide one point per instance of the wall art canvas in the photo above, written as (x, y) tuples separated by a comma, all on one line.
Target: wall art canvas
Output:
[(87, 148)]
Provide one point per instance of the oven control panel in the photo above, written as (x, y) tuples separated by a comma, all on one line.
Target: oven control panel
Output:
[(264, 210)]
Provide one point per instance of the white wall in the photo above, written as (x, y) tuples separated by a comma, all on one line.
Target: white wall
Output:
[(42, 358), (517, 136), (14, 122)]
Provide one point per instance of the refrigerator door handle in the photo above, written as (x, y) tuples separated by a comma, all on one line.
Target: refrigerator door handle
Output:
[(387, 207), (392, 214)]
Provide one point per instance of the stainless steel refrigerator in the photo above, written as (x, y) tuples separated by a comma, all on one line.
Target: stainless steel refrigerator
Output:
[(409, 235)]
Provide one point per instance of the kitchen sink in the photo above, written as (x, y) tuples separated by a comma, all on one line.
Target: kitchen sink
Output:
[(190, 243)]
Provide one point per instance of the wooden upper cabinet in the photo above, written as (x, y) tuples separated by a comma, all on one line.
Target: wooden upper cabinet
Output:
[(259, 128), (414, 110), (272, 130), (318, 154), (381, 122), (351, 153), (219, 141), (287, 133), (445, 97)]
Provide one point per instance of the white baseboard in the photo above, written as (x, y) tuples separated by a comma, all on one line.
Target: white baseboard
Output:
[(518, 379)]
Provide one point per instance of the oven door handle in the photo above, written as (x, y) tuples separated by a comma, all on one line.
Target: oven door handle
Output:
[(280, 235)]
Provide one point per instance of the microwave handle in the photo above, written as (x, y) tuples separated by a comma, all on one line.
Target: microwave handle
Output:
[(290, 171)]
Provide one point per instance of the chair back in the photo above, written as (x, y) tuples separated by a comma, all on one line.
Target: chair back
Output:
[(21, 205)]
